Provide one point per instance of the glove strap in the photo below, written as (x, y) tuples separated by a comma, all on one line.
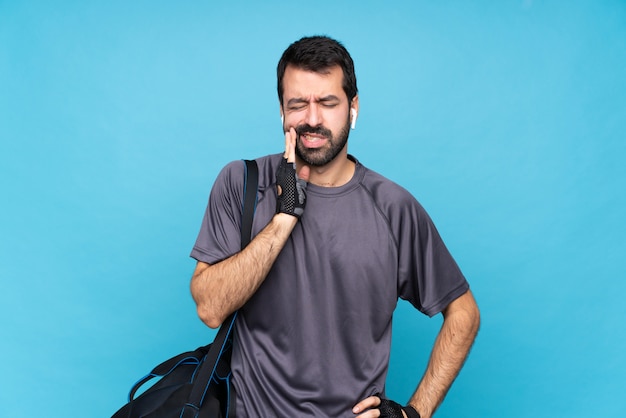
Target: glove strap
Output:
[(411, 412)]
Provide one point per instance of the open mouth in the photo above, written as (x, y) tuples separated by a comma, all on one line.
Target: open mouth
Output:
[(313, 136), (312, 140)]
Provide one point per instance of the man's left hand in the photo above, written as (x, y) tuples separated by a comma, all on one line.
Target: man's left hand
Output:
[(374, 407)]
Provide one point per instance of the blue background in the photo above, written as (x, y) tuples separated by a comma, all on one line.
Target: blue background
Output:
[(505, 119)]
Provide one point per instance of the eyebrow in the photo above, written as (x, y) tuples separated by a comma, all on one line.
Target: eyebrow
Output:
[(298, 100)]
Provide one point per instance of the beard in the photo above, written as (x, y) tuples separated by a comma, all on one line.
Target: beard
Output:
[(318, 157)]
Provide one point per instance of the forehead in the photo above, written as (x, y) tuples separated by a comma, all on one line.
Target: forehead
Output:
[(303, 83)]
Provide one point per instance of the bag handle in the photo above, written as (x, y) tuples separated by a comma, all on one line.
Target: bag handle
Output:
[(207, 369), (165, 368)]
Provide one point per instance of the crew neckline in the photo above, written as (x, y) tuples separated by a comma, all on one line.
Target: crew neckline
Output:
[(359, 171)]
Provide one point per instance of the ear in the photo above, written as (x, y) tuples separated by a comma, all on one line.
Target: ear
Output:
[(354, 111), (354, 103)]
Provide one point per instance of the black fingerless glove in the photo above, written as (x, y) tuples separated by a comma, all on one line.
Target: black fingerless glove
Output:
[(291, 190), (391, 409)]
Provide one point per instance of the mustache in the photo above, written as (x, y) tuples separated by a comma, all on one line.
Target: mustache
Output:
[(317, 130)]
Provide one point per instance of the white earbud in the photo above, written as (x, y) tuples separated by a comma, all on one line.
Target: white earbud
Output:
[(353, 118), (282, 119)]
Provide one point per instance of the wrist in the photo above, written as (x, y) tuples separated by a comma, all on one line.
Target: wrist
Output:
[(285, 220), (410, 412)]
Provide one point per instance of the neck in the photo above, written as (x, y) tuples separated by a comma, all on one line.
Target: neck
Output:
[(334, 174)]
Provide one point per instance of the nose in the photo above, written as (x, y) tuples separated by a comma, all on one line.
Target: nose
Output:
[(313, 115)]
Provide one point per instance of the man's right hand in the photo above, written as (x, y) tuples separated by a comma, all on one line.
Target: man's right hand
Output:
[(291, 186)]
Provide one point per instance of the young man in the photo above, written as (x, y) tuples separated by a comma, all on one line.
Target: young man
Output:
[(335, 245)]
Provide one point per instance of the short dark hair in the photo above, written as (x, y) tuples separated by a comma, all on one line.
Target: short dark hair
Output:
[(318, 54)]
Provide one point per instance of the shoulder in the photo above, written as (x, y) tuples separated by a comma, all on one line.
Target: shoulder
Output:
[(233, 172), (230, 171), (268, 164), (387, 193), (403, 212)]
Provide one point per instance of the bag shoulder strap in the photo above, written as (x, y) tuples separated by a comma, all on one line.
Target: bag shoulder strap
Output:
[(250, 187), (220, 343)]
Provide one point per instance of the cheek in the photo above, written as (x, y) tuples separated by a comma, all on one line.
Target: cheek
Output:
[(293, 119), (337, 121)]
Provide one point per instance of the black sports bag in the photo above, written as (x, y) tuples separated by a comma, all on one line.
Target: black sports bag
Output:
[(196, 384)]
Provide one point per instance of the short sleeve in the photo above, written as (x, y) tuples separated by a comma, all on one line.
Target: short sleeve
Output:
[(429, 277), (219, 236)]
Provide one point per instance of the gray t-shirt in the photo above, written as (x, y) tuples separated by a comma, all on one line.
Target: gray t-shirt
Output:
[(315, 338)]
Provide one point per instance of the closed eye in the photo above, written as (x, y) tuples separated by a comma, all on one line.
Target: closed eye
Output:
[(297, 104), (329, 101)]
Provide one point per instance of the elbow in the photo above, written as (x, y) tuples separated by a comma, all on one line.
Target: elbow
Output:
[(475, 319), (472, 319), (471, 315), (206, 314), (204, 310), (209, 317)]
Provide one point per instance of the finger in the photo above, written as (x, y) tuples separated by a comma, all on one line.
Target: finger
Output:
[(287, 144), (371, 402), (371, 413), (290, 145)]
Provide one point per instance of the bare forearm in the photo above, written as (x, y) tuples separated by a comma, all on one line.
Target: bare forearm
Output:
[(457, 334), (222, 288)]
